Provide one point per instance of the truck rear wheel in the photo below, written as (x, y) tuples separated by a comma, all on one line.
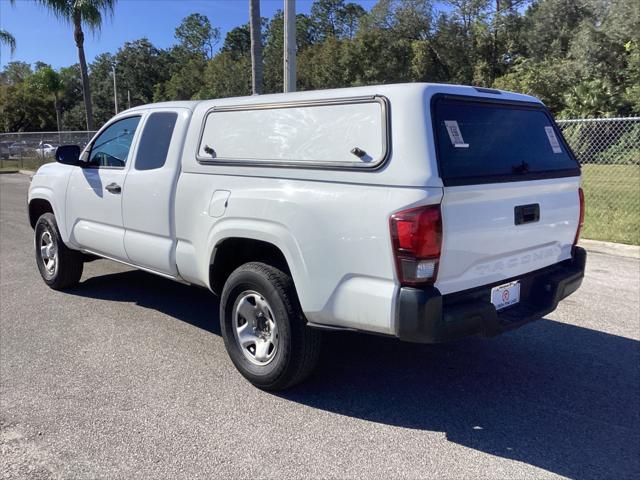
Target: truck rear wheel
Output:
[(59, 266), (264, 330)]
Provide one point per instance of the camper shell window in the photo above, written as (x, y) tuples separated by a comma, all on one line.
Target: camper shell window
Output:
[(340, 133)]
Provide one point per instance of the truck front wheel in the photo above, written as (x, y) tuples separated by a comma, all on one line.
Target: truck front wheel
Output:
[(60, 267), (264, 329)]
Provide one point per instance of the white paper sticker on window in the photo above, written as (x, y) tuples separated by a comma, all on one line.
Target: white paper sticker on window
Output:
[(553, 140), (454, 134)]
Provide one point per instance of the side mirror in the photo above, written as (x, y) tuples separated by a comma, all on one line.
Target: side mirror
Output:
[(68, 154)]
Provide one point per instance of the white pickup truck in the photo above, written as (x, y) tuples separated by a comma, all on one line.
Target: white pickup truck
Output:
[(420, 211)]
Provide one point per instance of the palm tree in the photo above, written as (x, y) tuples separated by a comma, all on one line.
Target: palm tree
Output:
[(8, 39), (79, 13), (256, 46)]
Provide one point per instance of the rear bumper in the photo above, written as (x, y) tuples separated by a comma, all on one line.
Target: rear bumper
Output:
[(426, 316)]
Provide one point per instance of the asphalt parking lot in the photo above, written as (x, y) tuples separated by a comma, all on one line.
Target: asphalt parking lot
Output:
[(127, 377)]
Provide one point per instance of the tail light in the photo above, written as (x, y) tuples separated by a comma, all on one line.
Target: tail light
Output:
[(581, 218), (417, 237)]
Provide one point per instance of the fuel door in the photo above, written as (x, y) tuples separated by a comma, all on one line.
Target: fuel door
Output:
[(218, 204)]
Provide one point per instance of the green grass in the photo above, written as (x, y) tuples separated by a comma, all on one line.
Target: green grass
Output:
[(612, 198), (26, 163)]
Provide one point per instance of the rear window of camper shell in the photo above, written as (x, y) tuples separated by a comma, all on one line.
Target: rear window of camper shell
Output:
[(483, 141)]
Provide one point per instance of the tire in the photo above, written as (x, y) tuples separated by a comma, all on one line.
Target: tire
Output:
[(59, 266), (284, 351)]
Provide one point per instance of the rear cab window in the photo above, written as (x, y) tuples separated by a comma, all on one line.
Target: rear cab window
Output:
[(486, 141), (156, 140)]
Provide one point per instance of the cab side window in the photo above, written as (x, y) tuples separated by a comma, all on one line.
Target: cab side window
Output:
[(155, 140), (111, 148)]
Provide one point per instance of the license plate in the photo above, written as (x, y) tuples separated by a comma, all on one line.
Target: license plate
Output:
[(505, 295)]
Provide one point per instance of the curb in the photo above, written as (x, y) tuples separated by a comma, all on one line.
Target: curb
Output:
[(4, 172), (610, 248)]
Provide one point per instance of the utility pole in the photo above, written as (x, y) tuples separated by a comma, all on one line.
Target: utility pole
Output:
[(115, 89), (128, 98), (256, 46), (289, 45)]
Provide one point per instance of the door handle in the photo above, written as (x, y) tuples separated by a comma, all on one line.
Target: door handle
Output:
[(113, 188), (527, 213)]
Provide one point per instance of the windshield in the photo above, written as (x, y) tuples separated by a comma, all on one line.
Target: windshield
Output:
[(484, 142)]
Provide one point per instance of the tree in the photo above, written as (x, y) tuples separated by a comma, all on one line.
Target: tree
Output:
[(550, 26), (186, 80), (9, 40), (380, 57), (186, 62), (101, 81), (580, 57), (255, 25), (22, 107), (546, 80), (140, 66), (238, 41), (196, 34), (15, 72), (394, 44), (48, 82), (327, 65), (226, 76), (335, 18), (591, 98), (71, 103), (78, 13), (274, 47), (632, 91)]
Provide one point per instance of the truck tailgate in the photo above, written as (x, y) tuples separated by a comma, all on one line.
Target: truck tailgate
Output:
[(511, 201), (482, 243)]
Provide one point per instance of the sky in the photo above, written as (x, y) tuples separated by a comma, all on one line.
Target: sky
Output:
[(42, 37)]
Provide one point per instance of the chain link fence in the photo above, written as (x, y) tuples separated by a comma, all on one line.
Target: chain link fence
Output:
[(607, 148), (609, 151), (30, 150)]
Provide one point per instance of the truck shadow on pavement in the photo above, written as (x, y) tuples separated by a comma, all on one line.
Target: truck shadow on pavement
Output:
[(196, 306), (556, 396)]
